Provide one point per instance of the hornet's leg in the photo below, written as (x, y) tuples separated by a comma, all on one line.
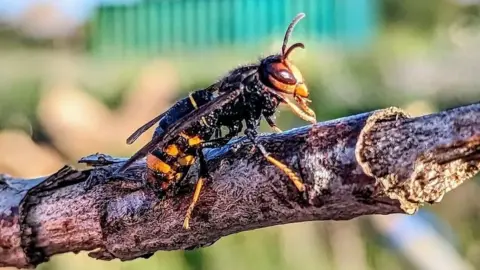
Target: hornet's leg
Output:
[(272, 123), (218, 133), (203, 176), (219, 142), (215, 143), (252, 134)]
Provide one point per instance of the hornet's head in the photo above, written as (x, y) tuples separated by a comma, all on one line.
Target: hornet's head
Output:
[(285, 79)]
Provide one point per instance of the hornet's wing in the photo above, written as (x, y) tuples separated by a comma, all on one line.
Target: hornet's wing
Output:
[(150, 123), (144, 128)]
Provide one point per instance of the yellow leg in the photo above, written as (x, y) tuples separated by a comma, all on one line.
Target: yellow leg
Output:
[(276, 129), (272, 124), (291, 175), (196, 195)]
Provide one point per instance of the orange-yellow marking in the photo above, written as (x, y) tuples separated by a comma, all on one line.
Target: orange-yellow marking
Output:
[(156, 164), (191, 140), (194, 141), (192, 100), (186, 160), (291, 175), (196, 195), (287, 88), (172, 150), (194, 104)]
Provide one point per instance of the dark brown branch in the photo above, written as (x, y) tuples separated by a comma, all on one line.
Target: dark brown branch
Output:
[(372, 163)]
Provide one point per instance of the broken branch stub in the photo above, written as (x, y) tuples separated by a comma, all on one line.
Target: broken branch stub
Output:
[(412, 168), (373, 163)]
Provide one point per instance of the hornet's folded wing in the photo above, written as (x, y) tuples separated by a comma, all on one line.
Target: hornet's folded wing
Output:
[(179, 126)]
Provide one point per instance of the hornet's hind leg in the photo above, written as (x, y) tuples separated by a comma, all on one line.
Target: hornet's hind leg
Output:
[(251, 134), (203, 177)]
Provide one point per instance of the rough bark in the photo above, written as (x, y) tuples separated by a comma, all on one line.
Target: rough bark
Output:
[(373, 163)]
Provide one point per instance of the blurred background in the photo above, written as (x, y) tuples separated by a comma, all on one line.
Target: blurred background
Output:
[(78, 76)]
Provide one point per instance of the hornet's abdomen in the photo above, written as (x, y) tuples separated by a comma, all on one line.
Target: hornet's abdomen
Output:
[(170, 164)]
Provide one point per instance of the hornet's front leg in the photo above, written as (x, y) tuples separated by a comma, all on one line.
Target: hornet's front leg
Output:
[(251, 133), (271, 123)]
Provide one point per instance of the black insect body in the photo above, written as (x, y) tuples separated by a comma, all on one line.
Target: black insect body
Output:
[(245, 95), (170, 164)]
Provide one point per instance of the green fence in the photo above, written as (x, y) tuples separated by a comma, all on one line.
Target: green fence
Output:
[(166, 25)]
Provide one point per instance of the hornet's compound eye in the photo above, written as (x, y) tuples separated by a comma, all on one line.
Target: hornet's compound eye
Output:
[(281, 73)]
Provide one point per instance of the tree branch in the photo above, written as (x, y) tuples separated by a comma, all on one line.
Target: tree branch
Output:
[(373, 163)]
